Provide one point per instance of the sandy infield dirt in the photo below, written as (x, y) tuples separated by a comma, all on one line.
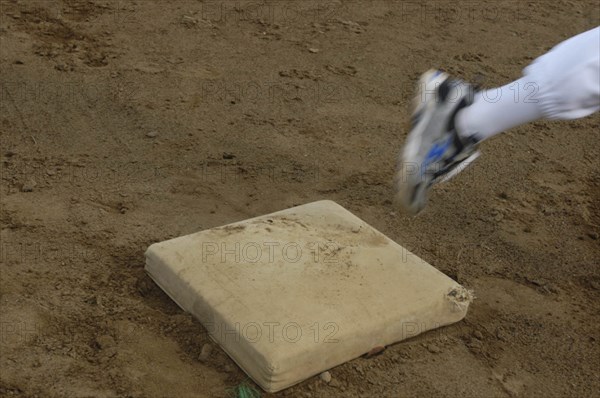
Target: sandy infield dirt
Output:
[(124, 123)]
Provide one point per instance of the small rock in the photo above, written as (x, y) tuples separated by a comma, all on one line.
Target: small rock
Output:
[(228, 156), (205, 352), (28, 186), (144, 285), (335, 384), (478, 335), (314, 50), (537, 282), (593, 235), (475, 344), (152, 134), (105, 341), (547, 211), (359, 369), (552, 288), (190, 19), (434, 349), (326, 377), (110, 352), (501, 335)]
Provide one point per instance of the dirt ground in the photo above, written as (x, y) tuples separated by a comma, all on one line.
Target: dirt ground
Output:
[(125, 123)]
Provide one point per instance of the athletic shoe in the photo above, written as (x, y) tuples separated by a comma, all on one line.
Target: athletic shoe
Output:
[(433, 151)]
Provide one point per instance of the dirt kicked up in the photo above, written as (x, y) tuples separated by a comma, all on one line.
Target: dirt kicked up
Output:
[(124, 123)]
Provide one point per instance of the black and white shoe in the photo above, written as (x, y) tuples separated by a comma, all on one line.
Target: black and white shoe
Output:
[(433, 152)]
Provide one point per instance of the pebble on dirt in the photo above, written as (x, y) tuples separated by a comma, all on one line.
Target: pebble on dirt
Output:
[(434, 349), (152, 134), (501, 335), (28, 186), (326, 376), (205, 352), (105, 341)]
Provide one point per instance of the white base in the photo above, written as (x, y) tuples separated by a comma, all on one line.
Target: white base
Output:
[(291, 294)]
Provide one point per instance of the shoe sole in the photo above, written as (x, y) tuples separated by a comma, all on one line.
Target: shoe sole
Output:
[(411, 187), (458, 167)]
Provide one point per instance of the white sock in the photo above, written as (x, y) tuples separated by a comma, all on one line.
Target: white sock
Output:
[(496, 110)]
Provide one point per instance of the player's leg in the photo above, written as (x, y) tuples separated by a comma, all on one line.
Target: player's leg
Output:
[(450, 119), (561, 84)]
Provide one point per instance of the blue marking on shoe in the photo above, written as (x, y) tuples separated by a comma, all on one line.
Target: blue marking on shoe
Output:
[(435, 153)]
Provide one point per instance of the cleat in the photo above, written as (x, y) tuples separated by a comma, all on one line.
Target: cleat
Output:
[(433, 152)]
